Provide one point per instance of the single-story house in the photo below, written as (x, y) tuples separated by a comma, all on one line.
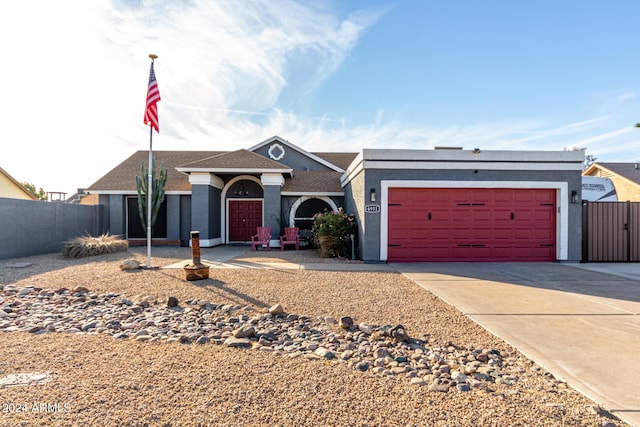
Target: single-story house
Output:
[(625, 178), (12, 189), (410, 205)]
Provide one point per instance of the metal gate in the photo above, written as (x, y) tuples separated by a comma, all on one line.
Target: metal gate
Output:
[(610, 231)]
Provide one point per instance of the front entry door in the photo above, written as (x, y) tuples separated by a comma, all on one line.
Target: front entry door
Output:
[(245, 216)]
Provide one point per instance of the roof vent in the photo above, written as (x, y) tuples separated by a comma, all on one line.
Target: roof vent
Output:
[(446, 148)]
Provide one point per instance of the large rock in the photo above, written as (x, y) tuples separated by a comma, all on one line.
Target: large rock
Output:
[(237, 342), (172, 302), (245, 332), (274, 310), (324, 352), (130, 264), (399, 333), (381, 352), (345, 322), (367, 329)]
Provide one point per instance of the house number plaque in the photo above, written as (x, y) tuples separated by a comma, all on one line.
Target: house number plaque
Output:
[(372, 209)]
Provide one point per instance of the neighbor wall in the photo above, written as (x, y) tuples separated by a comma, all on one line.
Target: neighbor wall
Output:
[(32, 227)]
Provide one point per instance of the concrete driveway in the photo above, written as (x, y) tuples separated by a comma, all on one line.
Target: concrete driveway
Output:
[(579, 321)]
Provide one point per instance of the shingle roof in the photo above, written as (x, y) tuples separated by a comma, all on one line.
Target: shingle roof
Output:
[(240, 159), (342, 160), (309, 182), (630, 171), (122, 177)]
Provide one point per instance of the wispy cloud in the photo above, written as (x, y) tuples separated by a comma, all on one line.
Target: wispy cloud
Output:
[(217, 58), (230, 74)]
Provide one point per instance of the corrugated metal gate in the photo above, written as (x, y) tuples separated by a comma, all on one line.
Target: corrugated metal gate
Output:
[(610, 231)]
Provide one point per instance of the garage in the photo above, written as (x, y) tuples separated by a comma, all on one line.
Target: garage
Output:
[(471, 224)]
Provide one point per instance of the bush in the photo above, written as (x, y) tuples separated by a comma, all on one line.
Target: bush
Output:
[(333, 230), (85, 246)]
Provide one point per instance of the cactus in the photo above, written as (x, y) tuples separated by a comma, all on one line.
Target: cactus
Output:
[(158, 182)]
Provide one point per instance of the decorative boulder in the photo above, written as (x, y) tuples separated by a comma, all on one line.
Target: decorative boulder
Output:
[(130, 264), (345, 322)]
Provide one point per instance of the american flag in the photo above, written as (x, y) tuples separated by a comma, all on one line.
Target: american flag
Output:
[(153, 96)]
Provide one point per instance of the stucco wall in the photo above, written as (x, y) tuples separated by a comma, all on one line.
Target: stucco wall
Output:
[(185, 220), (370, 241), (205, 211), (31, 227), (293, 158), (9, 189), (354, 203), (271, 213)]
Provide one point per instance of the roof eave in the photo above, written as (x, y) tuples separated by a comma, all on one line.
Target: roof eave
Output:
[(233, 170)]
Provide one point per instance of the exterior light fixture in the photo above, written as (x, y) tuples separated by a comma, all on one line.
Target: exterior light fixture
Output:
[(574, 196), (241, 191), (372, 194)]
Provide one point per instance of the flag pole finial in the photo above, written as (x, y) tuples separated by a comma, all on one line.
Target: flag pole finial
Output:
[(153, 56)]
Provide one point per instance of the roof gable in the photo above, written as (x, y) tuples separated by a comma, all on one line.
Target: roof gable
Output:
[(629, 171), (310, 157), (235, 161), (11, 188), (179, 164)]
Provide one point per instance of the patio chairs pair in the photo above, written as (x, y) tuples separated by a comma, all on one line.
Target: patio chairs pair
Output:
[(263, 238)]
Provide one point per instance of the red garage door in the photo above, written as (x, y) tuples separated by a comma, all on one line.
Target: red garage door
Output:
[(471, 224)]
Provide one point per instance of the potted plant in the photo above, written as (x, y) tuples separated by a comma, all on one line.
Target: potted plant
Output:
[(332, 229)]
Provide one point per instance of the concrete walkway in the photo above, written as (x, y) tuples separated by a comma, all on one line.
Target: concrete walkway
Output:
[(579, 321), (223, 257)]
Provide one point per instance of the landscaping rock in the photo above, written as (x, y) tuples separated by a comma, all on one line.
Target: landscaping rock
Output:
[(345, 322), (386, 349), (276, 309), (130, 264)]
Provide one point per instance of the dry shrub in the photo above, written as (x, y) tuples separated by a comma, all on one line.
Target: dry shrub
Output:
[(85, 246)]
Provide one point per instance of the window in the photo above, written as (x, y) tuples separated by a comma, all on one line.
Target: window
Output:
[(305, 212), (135, 230)]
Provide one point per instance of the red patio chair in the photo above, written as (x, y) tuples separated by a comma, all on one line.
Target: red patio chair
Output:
[(263, 237), (290, 238)]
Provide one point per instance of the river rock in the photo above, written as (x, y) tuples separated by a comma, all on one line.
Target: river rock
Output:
[(237, 342), (245, 332), (399, 333), (345, 322), (276, 309), (130, 264)]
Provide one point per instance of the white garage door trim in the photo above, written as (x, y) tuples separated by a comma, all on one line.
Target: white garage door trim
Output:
[(562, 197)]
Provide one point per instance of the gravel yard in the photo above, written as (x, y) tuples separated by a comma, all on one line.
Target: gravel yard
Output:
[(95, 379)]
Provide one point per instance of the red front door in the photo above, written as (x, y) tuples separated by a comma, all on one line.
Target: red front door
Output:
[(464, 224), (244, 217)]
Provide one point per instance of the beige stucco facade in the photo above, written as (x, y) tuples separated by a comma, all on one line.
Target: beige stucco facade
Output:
[(12, 189), (626, 189)]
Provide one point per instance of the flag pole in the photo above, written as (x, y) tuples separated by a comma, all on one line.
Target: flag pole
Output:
[(149, 198), (150, 184)]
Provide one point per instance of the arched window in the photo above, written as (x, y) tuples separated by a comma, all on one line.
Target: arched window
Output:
[(307, 209)]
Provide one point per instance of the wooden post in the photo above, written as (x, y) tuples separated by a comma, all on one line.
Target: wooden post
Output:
[(196, 270)]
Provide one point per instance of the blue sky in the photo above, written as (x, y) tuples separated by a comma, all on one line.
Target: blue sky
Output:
[(325, 75)]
